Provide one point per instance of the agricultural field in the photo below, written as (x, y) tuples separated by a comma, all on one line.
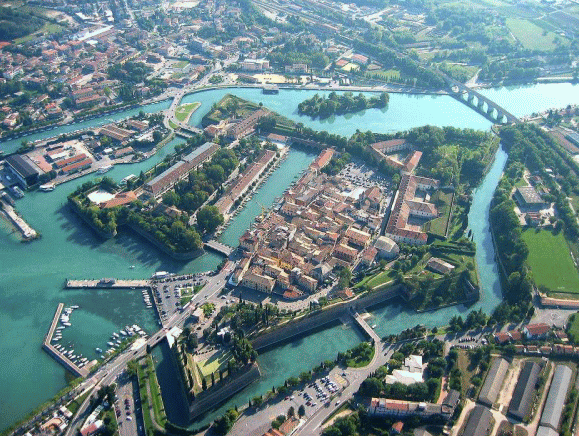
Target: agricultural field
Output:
[(531, 36), (551, 262)]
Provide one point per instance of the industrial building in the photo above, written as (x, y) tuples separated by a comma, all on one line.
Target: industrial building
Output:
[(23, 169), (556, 398), (522, 400), (493, 382), (479, 423)]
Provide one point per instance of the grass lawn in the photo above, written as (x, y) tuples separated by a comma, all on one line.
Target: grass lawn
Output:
[(181, 64), (75, 404), (530, 35), (360, 362), (173, 125), (551, 262), (573, 328), (185, 110), (378, 279), (437, 226), (214, 363), (384, 74)]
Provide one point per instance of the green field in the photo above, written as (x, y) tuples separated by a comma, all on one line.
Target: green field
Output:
[(214, 363), (551, 262), (185, 110), (531, 36), (181, 64), (47, 29), (437, 226), (384, 74), (573, 328)]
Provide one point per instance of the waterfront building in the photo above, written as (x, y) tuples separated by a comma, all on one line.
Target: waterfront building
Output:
[(23, 169), (168, 178)]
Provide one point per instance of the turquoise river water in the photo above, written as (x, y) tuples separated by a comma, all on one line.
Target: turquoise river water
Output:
[(32, 275)]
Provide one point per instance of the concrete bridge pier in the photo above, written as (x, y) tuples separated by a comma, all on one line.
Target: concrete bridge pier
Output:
[(471, 99), (481, 104)]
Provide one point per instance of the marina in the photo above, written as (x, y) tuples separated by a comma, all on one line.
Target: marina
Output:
[(65, 357)]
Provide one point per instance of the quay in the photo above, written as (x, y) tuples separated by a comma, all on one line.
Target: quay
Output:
[(28, 232), (107, 284), (57, 355)]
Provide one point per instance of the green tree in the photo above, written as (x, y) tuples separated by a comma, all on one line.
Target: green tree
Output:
[(209, 218)]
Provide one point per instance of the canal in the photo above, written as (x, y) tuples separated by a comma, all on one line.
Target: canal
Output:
[(32, 275)]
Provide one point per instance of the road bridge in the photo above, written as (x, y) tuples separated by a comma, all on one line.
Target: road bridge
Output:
[(219, 247), (369, 331), (483, 105)]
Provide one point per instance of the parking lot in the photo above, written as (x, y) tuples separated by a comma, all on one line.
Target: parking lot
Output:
[(128, 407), (168, 292), (362, 175)]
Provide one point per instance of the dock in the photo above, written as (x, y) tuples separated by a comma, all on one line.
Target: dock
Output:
[(107, 284), (28, 232), (57, 355)]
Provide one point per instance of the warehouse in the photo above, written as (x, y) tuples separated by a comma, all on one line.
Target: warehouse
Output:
[(23, 169), (480, 422), (495, 377), (523, 394), (546, 431), (556, 398)]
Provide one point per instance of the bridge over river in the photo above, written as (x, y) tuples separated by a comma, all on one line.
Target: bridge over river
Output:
[(485, 106)]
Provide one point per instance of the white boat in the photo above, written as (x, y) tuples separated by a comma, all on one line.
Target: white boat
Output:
[(110, 344), (66, 324), (105, 169), (132, 266), (115, 335), (47, 187), (124, 333), (74, 307), (98, 350)]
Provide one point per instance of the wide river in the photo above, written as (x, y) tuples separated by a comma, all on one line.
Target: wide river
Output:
[(32, 275)]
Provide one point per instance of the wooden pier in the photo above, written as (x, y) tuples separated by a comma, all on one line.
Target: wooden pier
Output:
[(57, 355), (107, 284)]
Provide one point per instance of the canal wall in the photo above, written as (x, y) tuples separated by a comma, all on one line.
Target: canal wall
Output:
[(323, 318), (106, 284), (224, 390)]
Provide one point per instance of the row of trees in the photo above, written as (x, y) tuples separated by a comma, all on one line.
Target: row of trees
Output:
[(334, 104)]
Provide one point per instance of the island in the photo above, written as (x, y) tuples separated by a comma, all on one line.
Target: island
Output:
[(335, 104)]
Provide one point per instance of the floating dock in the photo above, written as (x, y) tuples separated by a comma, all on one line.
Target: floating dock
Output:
[(107, 284), (57, 355)]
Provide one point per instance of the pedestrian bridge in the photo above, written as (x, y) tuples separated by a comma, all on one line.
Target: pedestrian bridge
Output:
[(219, 247)]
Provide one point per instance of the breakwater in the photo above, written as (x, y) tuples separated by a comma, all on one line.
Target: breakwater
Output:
[(323, 318), (107, 284), (57, 355)]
